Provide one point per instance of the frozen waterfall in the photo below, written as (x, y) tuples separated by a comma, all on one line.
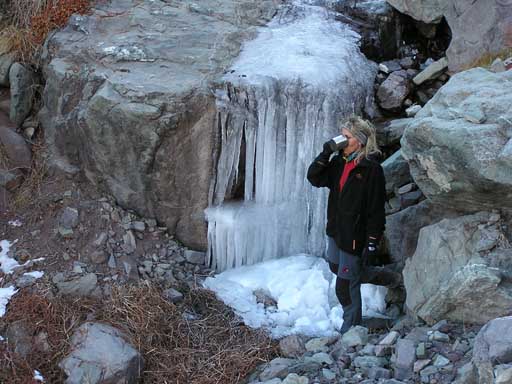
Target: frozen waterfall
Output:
[(282, 98)]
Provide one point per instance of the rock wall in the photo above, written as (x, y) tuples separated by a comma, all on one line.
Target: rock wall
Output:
[(127, 100), (478, 27), (459, 145)]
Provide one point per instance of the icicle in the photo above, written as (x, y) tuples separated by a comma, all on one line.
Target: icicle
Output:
[(301, 75)]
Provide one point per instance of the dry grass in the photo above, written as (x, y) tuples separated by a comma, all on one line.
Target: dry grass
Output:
[(32, 20), (213, 347), (57, 319), (487, 59)]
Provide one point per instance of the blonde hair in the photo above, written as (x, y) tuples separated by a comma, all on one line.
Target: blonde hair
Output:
[(360, 127)]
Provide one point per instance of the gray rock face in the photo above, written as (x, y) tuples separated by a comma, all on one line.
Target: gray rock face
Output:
[(22, 84), (428, 11), (15, 147), (396, 171), (6, 61), (391, 132), (458, 146), (460, 271), (136, 111), (478, 27), (100, 354), (402, 228), (494, 342)]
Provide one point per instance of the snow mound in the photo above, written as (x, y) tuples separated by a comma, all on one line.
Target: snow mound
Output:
[(303, 289)]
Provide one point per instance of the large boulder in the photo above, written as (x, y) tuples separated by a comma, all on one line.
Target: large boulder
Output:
[(100, 354), (478, 27), (403, 228), (461, 270), (128, 99), (458, 146)]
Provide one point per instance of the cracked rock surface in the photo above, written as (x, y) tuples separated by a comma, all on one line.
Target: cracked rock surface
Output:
[(127, 100)]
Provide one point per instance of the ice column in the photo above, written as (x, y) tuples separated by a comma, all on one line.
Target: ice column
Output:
[(282, 98)]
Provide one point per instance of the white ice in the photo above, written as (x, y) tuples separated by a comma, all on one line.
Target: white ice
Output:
[(34, 274), (5, 296), (303, 288), (283, 97), (38, 376), (7, 264), (303, 41)]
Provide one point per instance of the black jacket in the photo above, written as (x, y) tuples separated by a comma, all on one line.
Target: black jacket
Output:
[(358, 211)]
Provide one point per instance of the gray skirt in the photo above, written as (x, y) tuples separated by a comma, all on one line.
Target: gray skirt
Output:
[(349, 265)]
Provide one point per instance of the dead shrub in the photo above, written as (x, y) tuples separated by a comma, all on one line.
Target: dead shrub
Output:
[(199, 341), (487, 59), (32, 20)]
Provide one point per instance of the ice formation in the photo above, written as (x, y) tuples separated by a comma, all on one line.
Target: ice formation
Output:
[(282, 98)]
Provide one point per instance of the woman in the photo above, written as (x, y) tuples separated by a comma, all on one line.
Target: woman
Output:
[(355, 211)]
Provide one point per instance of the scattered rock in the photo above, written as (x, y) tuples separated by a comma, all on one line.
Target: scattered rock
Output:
[(420, 364), (293, 378), (276, 368), (130, 244), (195, 257), (98, 354), (393, 91), (19, 337), (377, 373), (367, 362), (98, 257), (405, 358), (263, 298), (173, 295), (355, 336), (318, 344), (292, 346), (432, 71), (78, 286), (413, 110), (69, 218)]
